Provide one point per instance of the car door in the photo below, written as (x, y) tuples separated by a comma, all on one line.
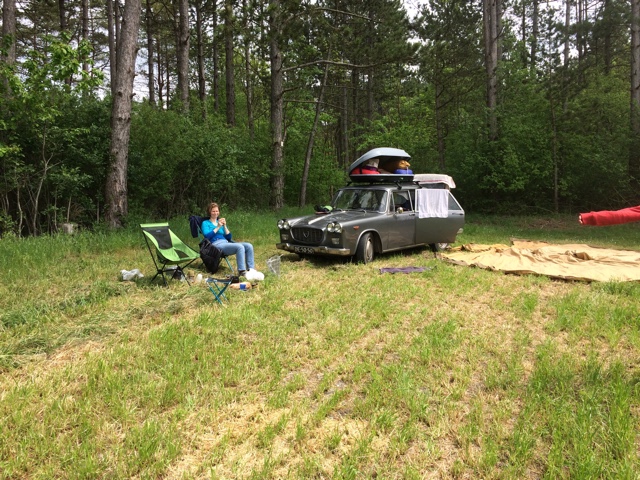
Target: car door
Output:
[(403, 233), (431, 228)]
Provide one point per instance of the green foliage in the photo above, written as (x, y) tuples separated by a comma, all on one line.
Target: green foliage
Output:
[(34, 130), (177, 164), (325, 175), (516, 171), (405, 127), (595, 145)]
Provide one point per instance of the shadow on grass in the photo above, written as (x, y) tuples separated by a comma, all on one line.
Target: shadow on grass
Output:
[(321, 262)]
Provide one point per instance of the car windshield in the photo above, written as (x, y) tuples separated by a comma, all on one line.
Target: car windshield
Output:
[(361, 199)]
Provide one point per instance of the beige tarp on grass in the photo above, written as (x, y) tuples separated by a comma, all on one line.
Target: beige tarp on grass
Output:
[(569, 262)]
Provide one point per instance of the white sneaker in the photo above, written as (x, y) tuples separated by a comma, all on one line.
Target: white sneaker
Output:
[(254, 275)]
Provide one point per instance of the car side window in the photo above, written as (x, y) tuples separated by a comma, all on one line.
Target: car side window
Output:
[(401, 200), (412, 200), (453, 203), (374, 200)]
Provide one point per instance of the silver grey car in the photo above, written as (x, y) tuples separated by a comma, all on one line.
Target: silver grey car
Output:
[(377, 214)]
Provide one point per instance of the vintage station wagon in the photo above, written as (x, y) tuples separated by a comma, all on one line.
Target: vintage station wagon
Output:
[(377, 213)]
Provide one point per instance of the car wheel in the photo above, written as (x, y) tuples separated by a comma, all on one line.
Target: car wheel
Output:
[(365, 251), (439, 247)]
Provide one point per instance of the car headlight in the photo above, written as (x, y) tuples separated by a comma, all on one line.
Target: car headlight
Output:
[(283, 224), (334, 227)]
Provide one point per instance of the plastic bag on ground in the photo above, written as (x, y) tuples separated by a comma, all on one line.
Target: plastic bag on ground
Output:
[(128, 275)]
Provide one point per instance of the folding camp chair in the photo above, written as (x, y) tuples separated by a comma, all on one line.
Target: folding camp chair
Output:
[(217, 287), (170, 250), (195, 223)]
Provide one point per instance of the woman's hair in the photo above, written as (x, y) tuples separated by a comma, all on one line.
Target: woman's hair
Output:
[(211, 206)]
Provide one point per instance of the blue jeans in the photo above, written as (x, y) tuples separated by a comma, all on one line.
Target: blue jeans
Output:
[(242, 250)]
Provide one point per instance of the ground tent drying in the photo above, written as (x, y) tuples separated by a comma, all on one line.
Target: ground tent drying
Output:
[(569, 262)]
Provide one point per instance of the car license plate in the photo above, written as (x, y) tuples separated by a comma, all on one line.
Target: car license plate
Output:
[(303, 249)]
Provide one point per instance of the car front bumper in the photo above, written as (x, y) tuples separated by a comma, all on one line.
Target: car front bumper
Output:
[(316, 250)]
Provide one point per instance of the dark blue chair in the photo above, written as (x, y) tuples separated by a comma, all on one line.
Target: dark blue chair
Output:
[(195, 225)]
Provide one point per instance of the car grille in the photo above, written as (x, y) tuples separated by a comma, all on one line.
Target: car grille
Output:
[(311, 236)]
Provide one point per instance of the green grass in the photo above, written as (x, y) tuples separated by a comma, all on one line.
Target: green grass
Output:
[(331, 370)]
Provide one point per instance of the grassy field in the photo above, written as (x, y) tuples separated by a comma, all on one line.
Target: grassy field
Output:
[(331, 370)]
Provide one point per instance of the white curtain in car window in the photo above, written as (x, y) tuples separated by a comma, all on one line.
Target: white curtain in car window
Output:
[(432, 203)]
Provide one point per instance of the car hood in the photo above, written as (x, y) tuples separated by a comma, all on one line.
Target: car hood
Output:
[(320, 221)]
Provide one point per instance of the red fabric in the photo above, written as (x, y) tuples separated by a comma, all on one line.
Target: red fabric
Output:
[(365, 171), (611, 217)]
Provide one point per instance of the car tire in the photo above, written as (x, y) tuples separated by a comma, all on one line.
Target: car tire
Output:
[(439, 247), (365, 251)]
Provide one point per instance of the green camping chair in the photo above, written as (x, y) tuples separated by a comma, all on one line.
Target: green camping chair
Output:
[(170, 250)]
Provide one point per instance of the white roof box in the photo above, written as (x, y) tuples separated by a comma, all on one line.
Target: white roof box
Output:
[(384, 157), (434, 178)]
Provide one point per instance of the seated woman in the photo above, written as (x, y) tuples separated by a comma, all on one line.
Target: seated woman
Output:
[(215, 229)]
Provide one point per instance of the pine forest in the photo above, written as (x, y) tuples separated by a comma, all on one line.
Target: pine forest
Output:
[(154, 107)]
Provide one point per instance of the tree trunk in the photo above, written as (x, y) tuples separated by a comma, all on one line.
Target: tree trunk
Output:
[(307, 158), (440, 124), (160, 76), (8, 31), (85, 30), (150, 52), (554, 155), (202, 86), (183, 54), (579, 36), (634, 160), (21, 219), (117, 19), (35, 196), (63, 28), (523, 34), (167, 74), (247, 69), (355, 115), (535, 33), (498, 30), (62, 15), (229, 72), (216, 61), (343, 130), (566, 55), (567, 34), (116, 184), (370, 70), (277, 106), (111, 22), (490, 20), (608, 28)]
